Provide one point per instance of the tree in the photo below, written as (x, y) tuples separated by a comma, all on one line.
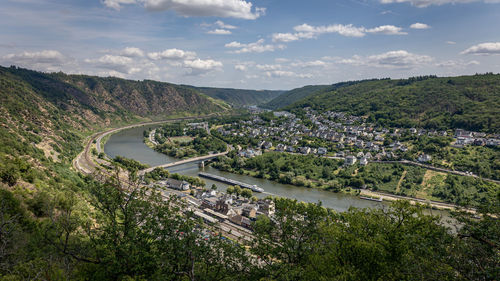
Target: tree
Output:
[(477, 250), (247, 193), (230, 189), (237, 190), (214, 187), (308, 242), (133, 230), (9, 174)]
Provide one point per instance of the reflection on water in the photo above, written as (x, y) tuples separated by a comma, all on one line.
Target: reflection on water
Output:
[(129, 143)]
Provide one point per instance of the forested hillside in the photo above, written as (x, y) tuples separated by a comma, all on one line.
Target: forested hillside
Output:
[(467, 102), (44, 118), (239, 97), (294, 95)]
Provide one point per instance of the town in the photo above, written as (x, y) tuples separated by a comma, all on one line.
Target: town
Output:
[(341, 136)]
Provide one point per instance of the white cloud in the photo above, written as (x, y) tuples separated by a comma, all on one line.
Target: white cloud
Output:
[(132, 52), (345, 30), (456, 64), (285, 37), (269, 66), (419, 25), (393, 59), (219, 31), (197, 8), (306, 31), (112, 73), (221, 24), (256, 47), (281, 60), (451, 42), (199, 66), (172, 54), (426, 3), (315, 63), (42, 57), (116, 4), (283, 73), (387, 30), (117, 63), (483, 49), (240, 67)]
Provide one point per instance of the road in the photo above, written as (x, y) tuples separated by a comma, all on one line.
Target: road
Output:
[(84, 162), (459, 173), (152, 137)]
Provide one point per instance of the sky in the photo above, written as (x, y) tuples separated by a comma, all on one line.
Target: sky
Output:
[(252, 44)]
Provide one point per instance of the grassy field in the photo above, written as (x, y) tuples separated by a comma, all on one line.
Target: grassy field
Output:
[(181, 139)]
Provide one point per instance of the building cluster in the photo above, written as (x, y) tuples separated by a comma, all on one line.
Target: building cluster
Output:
[(464, 138), (200, 125), (222, 206), (338, 135), (237, 210)]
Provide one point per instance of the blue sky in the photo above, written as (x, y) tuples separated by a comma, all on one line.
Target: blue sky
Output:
[(254, 44)]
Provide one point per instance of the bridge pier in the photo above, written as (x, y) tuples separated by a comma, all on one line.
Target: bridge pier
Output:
[(202, 164)]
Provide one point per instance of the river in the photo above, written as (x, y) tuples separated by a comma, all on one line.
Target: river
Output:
[(129, 143)]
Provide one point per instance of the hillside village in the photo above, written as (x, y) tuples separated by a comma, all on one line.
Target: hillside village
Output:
[(342, 136)]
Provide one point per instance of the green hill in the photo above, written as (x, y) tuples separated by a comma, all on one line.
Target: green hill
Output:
[(239, 97), (467, 102), (292, 96), (44, 117)]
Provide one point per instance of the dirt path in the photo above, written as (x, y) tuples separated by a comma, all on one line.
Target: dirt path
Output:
[(398, 187)]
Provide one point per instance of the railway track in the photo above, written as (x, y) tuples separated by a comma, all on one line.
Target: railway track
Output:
[(85, 164)]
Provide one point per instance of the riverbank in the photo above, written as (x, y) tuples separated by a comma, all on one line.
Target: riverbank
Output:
[(387, 197), (130, 143), (86, 163)]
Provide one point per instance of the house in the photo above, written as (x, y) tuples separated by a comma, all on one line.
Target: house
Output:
[(322, 150), (350, 160), (305, 150), (266, 144), (283, 114), (424, 158), (459, 133), (249, 153), (363, 161), (202, 126), (210, 203), (241, 220), (176, 184), (223, 203), (360, 143), (280, 147), (266, 207), (249, 210), (290, 149), (481, 142), (493, 142)]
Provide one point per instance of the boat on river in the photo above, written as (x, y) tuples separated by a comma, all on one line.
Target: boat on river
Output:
[(232, 182)]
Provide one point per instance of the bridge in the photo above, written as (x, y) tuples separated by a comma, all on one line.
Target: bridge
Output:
[(185, 161)]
